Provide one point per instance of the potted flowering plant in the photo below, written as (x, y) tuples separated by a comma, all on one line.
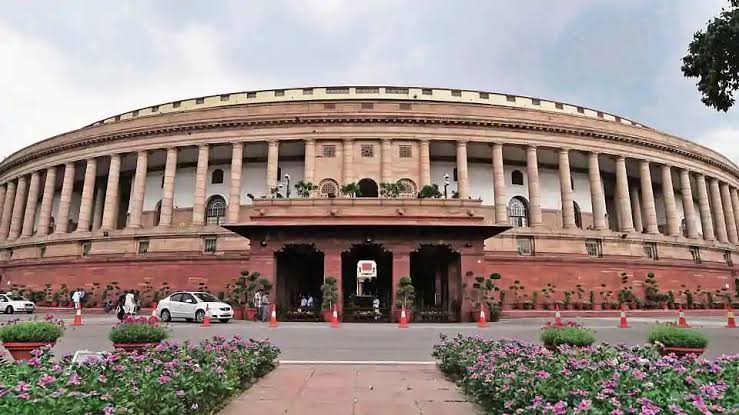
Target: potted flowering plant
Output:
[(330, 295), (137, 334), (678, 340), (22, 337)]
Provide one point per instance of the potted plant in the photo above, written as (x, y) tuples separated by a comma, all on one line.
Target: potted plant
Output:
[(351, 190), (305, 189), (549, 294), (678, 340), (330, 295), (591, 301), (571, 334), (517, 290), (479, 293), (534, 299), (568, 300), (22, 337), (137, 334), (405, 297), (579, 291), (430, 192)]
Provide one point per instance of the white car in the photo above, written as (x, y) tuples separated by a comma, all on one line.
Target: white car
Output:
[(11, 303), (192, 305)]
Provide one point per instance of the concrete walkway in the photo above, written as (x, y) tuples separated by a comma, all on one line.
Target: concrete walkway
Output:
[(371, 389)]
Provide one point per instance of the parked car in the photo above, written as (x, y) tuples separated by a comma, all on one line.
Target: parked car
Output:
[(192, 305), (11, 303)]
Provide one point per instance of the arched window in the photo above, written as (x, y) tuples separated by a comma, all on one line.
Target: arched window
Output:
[(408, 188), (367, 188), (216, 177), (517, 178), (328, 188), (215, 214), (518, 212), (578, 215)]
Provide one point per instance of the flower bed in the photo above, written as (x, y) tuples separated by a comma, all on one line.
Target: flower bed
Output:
[(571, 335), (137, 331), (167, 379), (512, 376)]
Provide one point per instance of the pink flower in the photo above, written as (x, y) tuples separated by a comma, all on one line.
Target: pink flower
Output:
[(24, 395), (180, 392), (109, 410), (45, 380), (22, 387), (542, 374), (164, 379), (74, 379), (102, 378)]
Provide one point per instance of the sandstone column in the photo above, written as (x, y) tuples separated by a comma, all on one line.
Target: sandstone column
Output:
[(309, 164), (65, 199), (83, 222), (735, 206), (201, 180), (705, 208), (501, 204), (139, 189), (691, 221), (565, 187), (234, 194), (110, 212), (18, 208), (532, 171), (7, 210), (729, 213), (718, 212), (273, 148), (597, 196), (30, 215), (623, 201), (462, 176), (668, 192), (46, 201), (97, 211), (647, 193), (425, 163), (3, 190), (347, 174), (170, 170), (386, 162), (636, 210)]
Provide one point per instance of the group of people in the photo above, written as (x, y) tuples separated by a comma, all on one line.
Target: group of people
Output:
[(262, 304), (127, 305), (77, 297), (306, 303)]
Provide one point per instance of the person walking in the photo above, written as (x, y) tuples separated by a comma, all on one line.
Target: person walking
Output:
[(130, 304), (265, 307), (77, 298), (119, 310), (258, 304)]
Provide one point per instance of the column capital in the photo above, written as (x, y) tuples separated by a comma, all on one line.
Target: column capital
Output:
[(310, 140), (530, 147), (594, 153), (462, 142), (386, 139), (203, 146), (643, 162), (423, 140), (497, 145), (621, 158), (237, 143), (563, 150), (347, 140)]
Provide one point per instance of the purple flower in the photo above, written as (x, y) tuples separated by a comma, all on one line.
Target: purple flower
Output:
[(180, 392), (109, 410), (74, 379), (164, 379), (542, 374), (102, 378), (22, 387)]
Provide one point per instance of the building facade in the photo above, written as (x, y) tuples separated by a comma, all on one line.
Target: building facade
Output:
[(188, 194)]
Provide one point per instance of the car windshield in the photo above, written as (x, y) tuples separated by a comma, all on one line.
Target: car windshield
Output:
[(15, 297), (206, 297)]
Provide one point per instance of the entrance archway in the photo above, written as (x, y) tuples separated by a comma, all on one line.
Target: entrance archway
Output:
[(358, 306), (299, 273), (367, 188), (436, 275)]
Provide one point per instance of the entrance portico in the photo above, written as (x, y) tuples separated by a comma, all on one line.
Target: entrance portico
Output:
[(443, 238)]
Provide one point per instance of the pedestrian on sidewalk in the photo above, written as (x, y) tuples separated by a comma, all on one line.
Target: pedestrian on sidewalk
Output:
[(77, 298), (258, 304), (130, 304), (119, 310), (265, 307)]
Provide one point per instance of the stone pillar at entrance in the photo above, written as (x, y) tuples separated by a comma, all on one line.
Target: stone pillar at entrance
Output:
[(401, 268), (332, 268)]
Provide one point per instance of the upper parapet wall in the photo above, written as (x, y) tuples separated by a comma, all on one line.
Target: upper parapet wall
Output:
[(341, 93)]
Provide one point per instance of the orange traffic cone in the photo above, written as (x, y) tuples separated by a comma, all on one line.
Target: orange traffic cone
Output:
[(731, 321), (482, 321), (623, 324), (403, 319), (681, 321), (557, 316), (335, 318), (206, 319), (78, 316), (273, 318)]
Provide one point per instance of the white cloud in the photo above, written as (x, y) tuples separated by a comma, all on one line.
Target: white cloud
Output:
[(725, 140)]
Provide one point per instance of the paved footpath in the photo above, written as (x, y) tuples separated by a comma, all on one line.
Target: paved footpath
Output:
[(337, 389)]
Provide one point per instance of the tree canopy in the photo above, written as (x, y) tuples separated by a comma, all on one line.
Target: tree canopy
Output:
[(713, 58)]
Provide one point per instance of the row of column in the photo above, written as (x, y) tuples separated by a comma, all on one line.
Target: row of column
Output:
[(717, 203)]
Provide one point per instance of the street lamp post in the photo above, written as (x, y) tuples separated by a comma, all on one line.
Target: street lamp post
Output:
[(287, 179), (446, 185)]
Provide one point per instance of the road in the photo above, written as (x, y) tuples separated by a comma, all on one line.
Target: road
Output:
[(317, 342)]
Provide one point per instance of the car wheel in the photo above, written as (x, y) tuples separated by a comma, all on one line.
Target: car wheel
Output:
[(225, 320), (165, 316), (199, 316), (9, 310)]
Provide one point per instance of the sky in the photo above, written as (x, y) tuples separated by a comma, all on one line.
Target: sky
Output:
[(66, 64)]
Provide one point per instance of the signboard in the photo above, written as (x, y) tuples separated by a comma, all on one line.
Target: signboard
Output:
[(86, 356), (366, 269)]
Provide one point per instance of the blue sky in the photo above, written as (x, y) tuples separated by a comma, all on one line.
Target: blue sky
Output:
[(67, 64)]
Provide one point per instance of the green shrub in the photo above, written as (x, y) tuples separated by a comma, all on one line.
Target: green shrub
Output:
[(572, 336), (30, 332), (138, 331), (673, 336)]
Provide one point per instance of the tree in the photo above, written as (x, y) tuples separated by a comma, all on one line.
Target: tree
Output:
[(713, 58)]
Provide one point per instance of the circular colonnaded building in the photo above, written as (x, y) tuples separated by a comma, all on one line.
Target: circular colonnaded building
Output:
[(188, 194)]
